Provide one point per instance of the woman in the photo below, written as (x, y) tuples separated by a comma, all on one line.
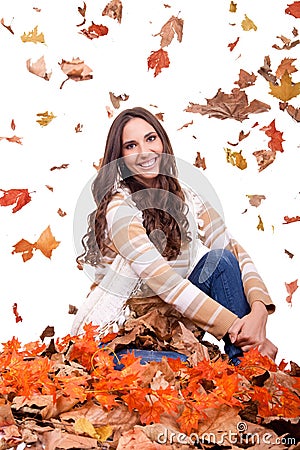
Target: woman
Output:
[(143, 228)]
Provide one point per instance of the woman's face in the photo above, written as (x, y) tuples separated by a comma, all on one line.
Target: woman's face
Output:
[(142, 149)]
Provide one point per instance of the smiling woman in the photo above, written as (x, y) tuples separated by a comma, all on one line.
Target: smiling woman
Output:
[(154, 239)]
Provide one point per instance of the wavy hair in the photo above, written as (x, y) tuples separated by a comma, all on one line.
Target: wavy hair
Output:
[(170, 212)]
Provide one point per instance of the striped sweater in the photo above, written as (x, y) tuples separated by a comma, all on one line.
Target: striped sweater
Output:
[(168, 279)]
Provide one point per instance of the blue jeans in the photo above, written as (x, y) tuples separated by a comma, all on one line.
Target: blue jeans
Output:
[(218, 275)]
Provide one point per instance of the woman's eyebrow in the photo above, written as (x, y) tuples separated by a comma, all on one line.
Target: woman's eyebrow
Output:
[(133, 140)]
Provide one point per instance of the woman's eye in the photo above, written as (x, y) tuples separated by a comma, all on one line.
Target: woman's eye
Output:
[(129, 146), (151, 138)]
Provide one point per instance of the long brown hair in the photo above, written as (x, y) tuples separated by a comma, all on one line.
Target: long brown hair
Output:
[(170, 212)]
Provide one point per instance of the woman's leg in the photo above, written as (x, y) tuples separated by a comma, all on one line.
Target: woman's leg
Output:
[(218, 275)]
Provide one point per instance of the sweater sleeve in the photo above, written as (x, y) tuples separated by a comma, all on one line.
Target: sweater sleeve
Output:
[(130, 240), (216, 235)]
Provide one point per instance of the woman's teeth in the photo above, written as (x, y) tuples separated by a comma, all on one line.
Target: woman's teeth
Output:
[(149, 163)]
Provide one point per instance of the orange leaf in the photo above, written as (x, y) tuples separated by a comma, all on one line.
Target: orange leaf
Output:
[(275, 144), (94, 31), (114, 10), (19, 196), (232, 45), (293, 9), (24, 247), (46, 243), (286, 65), (291, 288), (158, 60), (14, 138), (17, 315), (291, 219)]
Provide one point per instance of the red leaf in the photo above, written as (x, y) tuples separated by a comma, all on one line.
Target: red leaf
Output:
[(293, 9), (19, 196), (158, 60), (275, 144), (291, 288), (17, 315), (233, 44), (291, 219), (94, 31)]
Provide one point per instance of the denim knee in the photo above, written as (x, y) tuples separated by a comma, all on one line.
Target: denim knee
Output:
[(227, 259)]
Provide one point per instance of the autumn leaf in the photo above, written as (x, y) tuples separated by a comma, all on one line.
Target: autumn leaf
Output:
[(83, 425), (235, 158), (232, 45), (158, 60), (264, 158), (286, 65), (94, 31), (288, 44), (245, 79), (13, 125), (82, 12), (232, 7), (113, 10), (242, 136), (75, 70), (260, 225), (275, 144), (286, 90), (19, 197), (18, 318), (46, 243), (290, 254), (200, 162), (62, 166), (14, 138), (291, 288), (168, 30), (293, 9), (116, 99), (47, 332), (291, 110), (265, 71), (8, 27), (255, 200), (185, 125), (291, 219), (248, 24), (33, 36), (45, 118), (78, 128), (38, 68), (234, 106)]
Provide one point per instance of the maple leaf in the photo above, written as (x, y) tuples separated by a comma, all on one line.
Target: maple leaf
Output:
[(20, 197), (45, 118), (168, 30), (247, 24), (113, 10), (293, 9), (286, 65), (39, 68), (245, 79), (234, 106), (158, 60), (291, 288), (117, 99), (16, 314), (33, 36), (275, 144), (46, 243), (286, 90), (264, 158), (94, 31), (255, 200), (236, 158), (75, 70)]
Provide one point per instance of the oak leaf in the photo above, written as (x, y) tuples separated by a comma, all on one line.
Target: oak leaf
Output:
[(75, 70), (19, 197), (264, 158), (245, 79), (286, 90), (38, 68), (248, 24), (236, 158), (158, 60), (94, 31), (168, 30), (113, 10), (45, 118), (286, 65), (291, 288), (275, 144), (46, 243), (234, 106), (33, 36), (255, 200), (293, 9)]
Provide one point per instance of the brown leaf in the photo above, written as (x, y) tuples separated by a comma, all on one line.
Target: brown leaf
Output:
[(234, 106), (55, 439), (72, 309), (75, 70), (232, 7), (8, 27), (264, 158), (6, 416), (255, 200), (113, 10), (18, 318), (260, 225), (290, 255), (291, 219), (286, 65), (291, 110), (117, 99), (24, 247), (287, 43), (245, 79), (78, 128), (200, 162), (13, 125), (158, 60), (291, 288), (62, 166), (39, 68), (160, 116), (242, 136), (82, 12), (61, 213), (168, 30), (98, 166), (19, 197), (265, 71), (14, 138), (186, 125), (48, 332)]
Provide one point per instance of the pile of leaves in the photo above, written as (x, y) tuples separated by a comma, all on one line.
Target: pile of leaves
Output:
[(70, 394)]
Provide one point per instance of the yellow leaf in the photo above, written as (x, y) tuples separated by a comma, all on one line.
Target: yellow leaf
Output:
[(33, 36), (236, 159), (232, 7), (104, 432), (46, 118), (286, 90), (83, 425), (248, 24), (260, 225)]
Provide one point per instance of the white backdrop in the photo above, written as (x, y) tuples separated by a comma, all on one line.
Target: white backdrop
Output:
[(199, 65)]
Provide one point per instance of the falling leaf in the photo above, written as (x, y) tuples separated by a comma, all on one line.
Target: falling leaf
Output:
[(46, 243), (82, 12), (235, 158), (293, 9), (75, 70), (47, 332), (275, 144), (159, 116), (286, 65), (38, 68), (248, 24), (200, 162), (158, 60), (265, 71), (264, 158), (62, 166), (232, 7), (113, 10), (61, 213), (110, 112), (45, 118), (94, 31), (245, 79), (291, 110), (78, 128), (260, 225), (288, 44), (232, 45), (33, 36), (255, 200), (185, 125), (16, 314), (286, 90), (291, 288), (168, 30), (49, 187), (8, 27), (290, 255), (19, 197), (13, 125), (72, 309), (15, 139), (242, 136), (291, 219), (117, 99), (233, 106)]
